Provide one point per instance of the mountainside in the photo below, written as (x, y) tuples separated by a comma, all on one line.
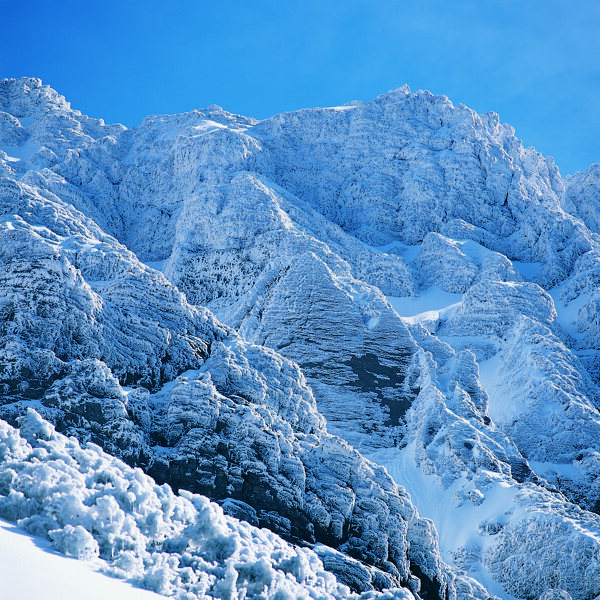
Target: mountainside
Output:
[(373, 329)]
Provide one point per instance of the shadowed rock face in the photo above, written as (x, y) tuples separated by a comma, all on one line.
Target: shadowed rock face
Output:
[(372, 376)]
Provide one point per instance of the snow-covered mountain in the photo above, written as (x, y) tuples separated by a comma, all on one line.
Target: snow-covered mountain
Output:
[(373, 329)]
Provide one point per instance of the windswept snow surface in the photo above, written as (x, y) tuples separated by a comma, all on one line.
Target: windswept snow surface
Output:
[(30, 568), (431, 305), (459, 523)]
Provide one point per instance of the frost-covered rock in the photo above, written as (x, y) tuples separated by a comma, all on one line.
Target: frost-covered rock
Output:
[(579, 297), (406, 164), (362, 364), (39, 126), (90, 504), (227, 237), (441, 262), (545, 401), (582, 196), (491, 308), (479, 397), (83, 321), (541, 553)]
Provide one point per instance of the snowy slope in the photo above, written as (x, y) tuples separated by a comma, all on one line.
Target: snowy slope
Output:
[(29, 569), (435, 282), (95, 508)]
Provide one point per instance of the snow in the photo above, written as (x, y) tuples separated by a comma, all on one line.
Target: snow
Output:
[(21, 153), (474, 250), (432, 303), (294, 229), (30, 568), (340, 108), (458, 523), (564, 470), (501, 408), (158, 265), (529, 270)]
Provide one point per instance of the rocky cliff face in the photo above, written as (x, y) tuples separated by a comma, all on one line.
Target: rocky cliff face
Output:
[(402, 267), (110, 352)]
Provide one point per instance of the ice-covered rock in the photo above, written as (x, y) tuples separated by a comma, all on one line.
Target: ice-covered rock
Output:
[(550, 550), (363, 365), (83, 321), (582, 196), (39, 127), (442, 262), (479, 397), (407, 164), (491, 308), (227, 237)]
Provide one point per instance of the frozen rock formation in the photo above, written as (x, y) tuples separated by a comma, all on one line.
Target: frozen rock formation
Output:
[(408, 270), (74, 370), (582, 196), (90, 504), (83, 321)]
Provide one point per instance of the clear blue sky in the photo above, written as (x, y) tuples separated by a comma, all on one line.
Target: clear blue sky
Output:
[(536, 63)]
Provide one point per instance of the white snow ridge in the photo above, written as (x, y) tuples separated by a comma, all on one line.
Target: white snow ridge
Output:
[(350, 352)]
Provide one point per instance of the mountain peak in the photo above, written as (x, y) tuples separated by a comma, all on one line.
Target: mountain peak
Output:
[(28, 97)]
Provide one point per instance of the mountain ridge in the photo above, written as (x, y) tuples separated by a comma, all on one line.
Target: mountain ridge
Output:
[(312, 233)]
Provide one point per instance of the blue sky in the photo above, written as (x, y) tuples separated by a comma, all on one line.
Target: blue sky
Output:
[(535, 63)]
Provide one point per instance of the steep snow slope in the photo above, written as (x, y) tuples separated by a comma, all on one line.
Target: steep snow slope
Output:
[(480, 396), (30, 569)]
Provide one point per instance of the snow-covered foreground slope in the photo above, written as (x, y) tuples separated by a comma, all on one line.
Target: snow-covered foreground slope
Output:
[(92, 506), (30, 569), (421, 279)]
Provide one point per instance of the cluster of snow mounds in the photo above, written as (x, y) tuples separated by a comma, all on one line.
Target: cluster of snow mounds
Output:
[(434, 282), (90, 505)]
